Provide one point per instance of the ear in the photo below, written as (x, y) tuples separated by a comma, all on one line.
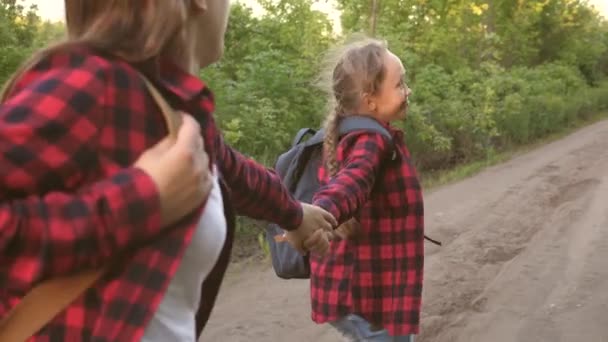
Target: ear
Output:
[(199, 5), (369, 102)]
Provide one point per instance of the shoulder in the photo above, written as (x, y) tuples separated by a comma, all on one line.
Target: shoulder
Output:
[(364, 142), (70, 70)]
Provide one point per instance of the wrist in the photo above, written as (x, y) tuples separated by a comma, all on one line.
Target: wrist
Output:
[(295, 217)]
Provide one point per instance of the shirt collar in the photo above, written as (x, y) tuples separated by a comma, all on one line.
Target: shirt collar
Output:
[(176, 81), (182, 84)]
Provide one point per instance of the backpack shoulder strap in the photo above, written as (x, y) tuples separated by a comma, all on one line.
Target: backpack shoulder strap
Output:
[(357, 123), (351, 124), (301, 134), (41, 304)]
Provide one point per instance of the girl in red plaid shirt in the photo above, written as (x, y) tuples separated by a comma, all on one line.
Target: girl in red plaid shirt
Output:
[(369, 286)]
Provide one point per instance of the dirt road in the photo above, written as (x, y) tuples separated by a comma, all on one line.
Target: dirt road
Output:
[(525, 258)]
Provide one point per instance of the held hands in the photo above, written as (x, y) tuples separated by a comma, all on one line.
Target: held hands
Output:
[(312, 235), (348, 230), (318, 224)]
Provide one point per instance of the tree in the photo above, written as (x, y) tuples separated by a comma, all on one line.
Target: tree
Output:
[(21, 32), (374, 17)]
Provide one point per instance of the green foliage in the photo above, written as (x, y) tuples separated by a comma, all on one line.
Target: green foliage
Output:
[(264, 84), (469, 112), (486, 75), (21, 32)]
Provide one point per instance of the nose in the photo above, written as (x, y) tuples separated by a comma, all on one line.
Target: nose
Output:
[(407, 92)]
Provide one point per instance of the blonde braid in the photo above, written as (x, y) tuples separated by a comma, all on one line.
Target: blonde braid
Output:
[(330, 143), (350, 228)]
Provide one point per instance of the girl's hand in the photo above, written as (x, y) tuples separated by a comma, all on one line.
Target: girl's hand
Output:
[(310, 236), (348, 230)]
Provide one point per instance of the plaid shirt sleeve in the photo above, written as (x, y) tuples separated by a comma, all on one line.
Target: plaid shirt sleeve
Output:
[(350, 188), (48, 135), (257, 192)]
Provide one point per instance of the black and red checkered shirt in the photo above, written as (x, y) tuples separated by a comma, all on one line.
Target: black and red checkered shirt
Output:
[(70, 200), (378, 275)]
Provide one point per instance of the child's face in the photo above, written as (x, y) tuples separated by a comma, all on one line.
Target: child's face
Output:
[(390, 101), (208, 29)]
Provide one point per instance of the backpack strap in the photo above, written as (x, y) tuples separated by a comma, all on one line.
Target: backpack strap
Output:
[(351, 124), (301, 134), (356, 123), (41, 304)]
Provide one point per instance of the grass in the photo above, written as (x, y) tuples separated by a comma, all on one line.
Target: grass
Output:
[(436, 179)]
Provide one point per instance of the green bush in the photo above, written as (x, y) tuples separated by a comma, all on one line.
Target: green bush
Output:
[(458, 116)]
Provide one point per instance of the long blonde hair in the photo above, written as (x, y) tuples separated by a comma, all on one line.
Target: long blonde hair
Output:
[(356, 68), (135, 30)]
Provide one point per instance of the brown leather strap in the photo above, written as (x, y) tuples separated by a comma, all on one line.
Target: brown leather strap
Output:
[(172, 119), (45, 301)]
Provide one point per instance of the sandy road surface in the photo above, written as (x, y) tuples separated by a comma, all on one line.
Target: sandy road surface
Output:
[(525, 258)]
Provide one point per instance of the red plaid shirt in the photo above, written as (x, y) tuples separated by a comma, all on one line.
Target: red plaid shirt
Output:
[(378, 276), (68, 134)]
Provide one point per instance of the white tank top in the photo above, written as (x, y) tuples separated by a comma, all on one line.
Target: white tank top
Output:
[(175, 318)]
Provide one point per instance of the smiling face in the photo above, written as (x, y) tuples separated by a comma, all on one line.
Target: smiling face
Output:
[(390, 100), (369, 79)]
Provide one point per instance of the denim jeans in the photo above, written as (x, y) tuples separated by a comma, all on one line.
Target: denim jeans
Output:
[(357, 329)]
